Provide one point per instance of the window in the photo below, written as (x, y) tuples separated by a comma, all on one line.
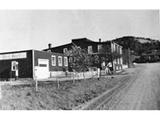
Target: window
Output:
[(116, 48), (59, 60), (48, 50), (99, 48), (65, 61), (90, 49), (65, 50), (120, 50), (53, 60), (42, 65), (113, 47), (70, 59)]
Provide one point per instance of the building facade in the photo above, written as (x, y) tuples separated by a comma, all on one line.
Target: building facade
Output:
[(32, 64), (107, 51)]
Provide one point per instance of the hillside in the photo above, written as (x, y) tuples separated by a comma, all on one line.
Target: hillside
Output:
[(139, 45)]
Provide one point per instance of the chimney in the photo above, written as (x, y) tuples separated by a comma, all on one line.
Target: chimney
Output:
[(49, 46), (99, 39)]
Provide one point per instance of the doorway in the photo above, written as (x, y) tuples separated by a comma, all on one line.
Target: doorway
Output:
[(42, 70)]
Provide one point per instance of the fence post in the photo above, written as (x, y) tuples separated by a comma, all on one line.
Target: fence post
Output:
[(84, 76), (36, 84), (58, 83), (74, 77)]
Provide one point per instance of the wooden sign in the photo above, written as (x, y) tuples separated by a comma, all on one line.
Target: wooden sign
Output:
[(13, 56)]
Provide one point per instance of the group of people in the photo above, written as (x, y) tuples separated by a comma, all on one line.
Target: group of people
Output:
[(108, 70)]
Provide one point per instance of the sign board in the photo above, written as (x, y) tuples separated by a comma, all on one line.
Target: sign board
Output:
[(13, 56), (43, 61)]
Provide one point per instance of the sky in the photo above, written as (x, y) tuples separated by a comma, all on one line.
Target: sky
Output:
[(34, 29)]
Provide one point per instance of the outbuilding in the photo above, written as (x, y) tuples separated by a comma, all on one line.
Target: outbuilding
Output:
[(32, 64)]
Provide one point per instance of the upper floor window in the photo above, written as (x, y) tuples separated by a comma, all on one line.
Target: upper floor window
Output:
[(99, 48), (70, 59), (53, 60), (90, 49), (59, 60), (65, 50), (65, 61), (78, 47), (120, 50), (113, 47), (49, 50)]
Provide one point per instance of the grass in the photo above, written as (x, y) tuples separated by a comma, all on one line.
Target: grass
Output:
[(49, 97)]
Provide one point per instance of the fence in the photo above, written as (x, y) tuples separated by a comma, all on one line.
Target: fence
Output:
[(69, 76)]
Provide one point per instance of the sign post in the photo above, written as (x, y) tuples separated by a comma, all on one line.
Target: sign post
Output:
[(36, 80)]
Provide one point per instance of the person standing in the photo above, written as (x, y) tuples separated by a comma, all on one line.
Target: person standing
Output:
[(107, 71), (110, 67), (16, 74), (98, 72)]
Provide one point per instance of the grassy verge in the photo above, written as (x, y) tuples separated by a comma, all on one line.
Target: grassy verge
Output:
[(49, 97)]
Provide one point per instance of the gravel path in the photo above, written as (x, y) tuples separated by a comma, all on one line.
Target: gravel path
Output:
[(143, 94)]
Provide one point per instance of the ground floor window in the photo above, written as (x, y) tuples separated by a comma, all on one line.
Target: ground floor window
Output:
[(53, 60), (59, 60), (65, 61), (70, 59)]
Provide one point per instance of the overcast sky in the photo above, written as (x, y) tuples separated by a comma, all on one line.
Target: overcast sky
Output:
[(34, 29)]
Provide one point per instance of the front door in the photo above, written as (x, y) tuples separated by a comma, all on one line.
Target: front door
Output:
[(14, 69)]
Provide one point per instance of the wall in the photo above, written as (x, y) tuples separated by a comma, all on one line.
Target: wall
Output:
[(84, 43), (118, 61), (128, 58), (24, 66), (59, 49), (47, 55)]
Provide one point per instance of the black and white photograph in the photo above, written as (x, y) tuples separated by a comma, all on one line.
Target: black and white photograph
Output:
[(80, 59)]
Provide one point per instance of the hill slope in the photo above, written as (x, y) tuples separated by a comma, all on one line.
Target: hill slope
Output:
[(139, 45)]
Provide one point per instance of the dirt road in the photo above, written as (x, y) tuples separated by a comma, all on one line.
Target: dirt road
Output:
[(142, 94)]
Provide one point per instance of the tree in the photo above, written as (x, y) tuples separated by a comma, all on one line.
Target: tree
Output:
[(80, 59)]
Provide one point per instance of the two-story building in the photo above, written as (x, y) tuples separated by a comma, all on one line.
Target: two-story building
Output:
[(107, 51)]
